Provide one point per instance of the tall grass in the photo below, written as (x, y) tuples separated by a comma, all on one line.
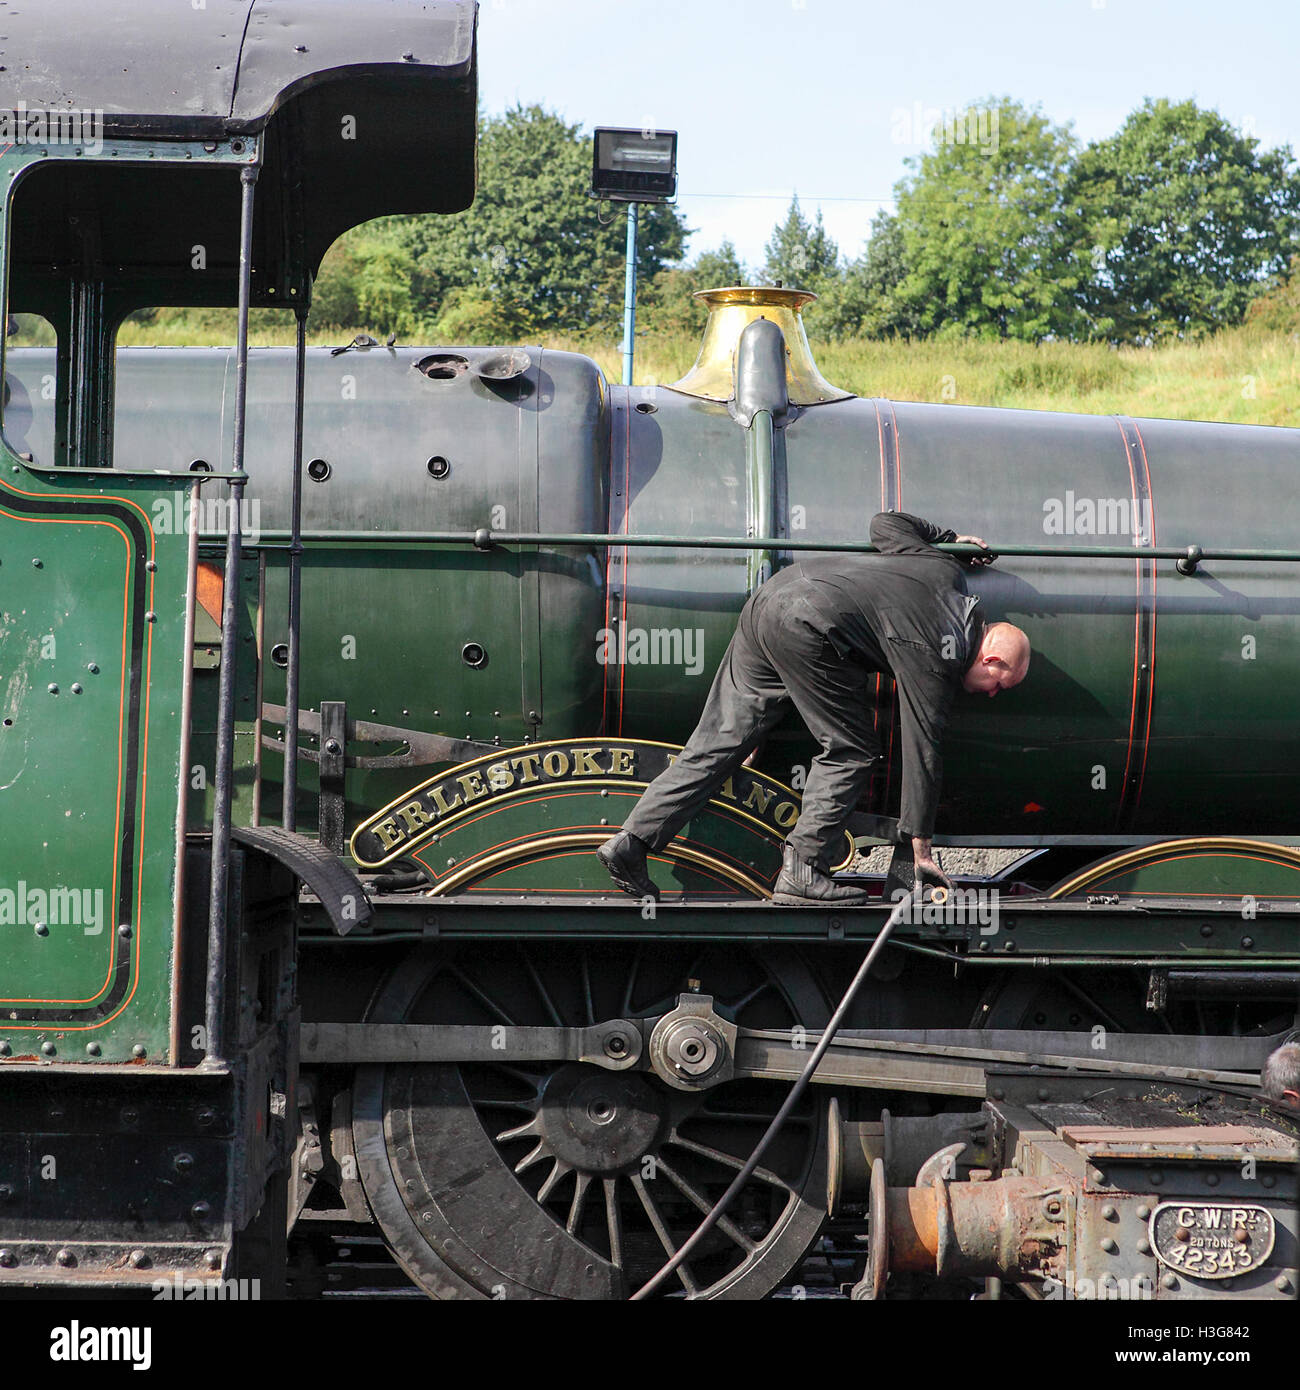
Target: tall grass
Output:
[(1242, 375)]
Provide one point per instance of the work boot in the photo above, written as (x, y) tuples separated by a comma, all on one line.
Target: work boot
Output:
[(802, 882), (624, 857)]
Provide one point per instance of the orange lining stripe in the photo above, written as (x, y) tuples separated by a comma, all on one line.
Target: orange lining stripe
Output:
[(1151, 676), (1137, 622), (121, 720)]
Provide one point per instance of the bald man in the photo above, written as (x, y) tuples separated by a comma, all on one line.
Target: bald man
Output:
[(813, 636), (1280, 1078)]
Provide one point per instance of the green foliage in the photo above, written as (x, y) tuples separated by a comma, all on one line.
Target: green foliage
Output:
[(1073, 376), (30, 330), (334, 299), (977, 233), (1182, 219), (534, 237), (866, 298), (717, 269), (666, 304), (365, 281), (475, 316), (1277, 309), (801, 254), (882, 273)]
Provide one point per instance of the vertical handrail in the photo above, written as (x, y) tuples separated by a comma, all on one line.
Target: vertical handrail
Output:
[(223, 780), (289, 810), (629, 296), (179, 920)]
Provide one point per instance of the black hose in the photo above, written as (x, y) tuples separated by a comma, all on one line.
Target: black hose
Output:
[(800, 1085)]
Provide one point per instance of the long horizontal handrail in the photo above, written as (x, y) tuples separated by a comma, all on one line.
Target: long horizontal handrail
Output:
[(483, 539)]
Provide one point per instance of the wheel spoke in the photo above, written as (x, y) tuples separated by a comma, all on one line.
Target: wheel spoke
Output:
[(586, 989), (657, 1221), (582, 1181), (1084, 998), (727, 1161), (747, 999), (528, 1128), (534, 1156), (485, 999), (751, 1117), (558, 1171), (542, 992), (625, 1008), (704, 1206), (533, 1082), (614, 1223), (492, 1103)]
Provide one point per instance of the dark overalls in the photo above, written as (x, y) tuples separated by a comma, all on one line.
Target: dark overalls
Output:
[(813, 635)]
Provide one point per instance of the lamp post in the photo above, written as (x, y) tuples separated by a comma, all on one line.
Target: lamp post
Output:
[(633, 166)]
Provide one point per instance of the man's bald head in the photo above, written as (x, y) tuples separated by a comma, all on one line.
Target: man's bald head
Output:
[(1001, 662), (1280, 1078)]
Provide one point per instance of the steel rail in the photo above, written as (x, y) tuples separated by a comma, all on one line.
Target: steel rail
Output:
[(485, 539)]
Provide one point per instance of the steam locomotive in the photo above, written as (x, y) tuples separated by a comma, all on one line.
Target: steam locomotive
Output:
[(326, 672)]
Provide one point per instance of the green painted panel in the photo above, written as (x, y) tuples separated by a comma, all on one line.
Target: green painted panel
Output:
[(1218, 872), (92, 613), (682, 471)]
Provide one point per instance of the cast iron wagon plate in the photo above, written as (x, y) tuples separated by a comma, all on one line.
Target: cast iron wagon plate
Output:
[(1212, 1240)]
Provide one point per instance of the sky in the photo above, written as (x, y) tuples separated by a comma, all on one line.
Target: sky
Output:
[(827, 98)]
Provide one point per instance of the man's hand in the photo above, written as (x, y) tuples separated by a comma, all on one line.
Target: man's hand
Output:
[(986, 559), (927, 871)]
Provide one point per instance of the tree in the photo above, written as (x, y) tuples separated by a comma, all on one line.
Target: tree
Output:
[(534, 235), (1277, 309), (716, 269), (1178, 219), (365, 281), (865, 300), (800, 254), (979, 229), (667, 304)]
